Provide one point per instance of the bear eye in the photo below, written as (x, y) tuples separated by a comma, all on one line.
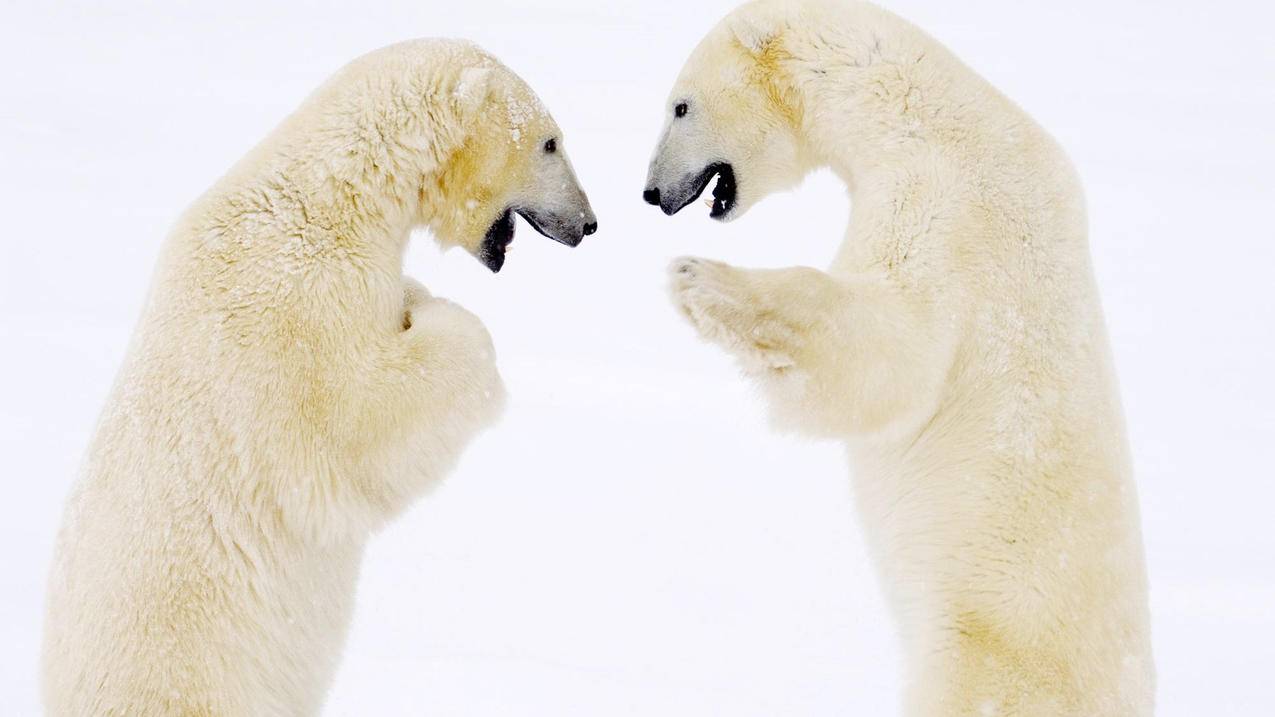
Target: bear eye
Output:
[(551, 146), (680, 110)]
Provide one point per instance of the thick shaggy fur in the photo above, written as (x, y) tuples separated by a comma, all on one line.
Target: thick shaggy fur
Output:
[(286, 392), (956, 345)]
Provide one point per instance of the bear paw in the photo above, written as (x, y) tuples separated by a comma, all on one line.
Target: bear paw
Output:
[(720, 302)]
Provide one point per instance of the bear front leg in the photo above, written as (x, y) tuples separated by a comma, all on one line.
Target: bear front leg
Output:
[(836, 356), (728, 308), (436, 387)]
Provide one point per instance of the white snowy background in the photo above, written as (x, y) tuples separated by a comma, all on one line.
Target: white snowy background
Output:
[(632, 539)]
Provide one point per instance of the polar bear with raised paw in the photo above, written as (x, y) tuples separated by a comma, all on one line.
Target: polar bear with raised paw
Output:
[(956, 345), (288, 390)]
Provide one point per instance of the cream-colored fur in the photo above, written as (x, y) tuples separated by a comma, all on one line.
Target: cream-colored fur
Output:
[(286, 392), (956, 345)]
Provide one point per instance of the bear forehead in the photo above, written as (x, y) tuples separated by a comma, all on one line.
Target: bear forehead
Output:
[(522, 112)]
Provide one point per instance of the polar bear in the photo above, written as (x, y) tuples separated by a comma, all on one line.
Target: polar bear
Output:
[(288, 390), (956, 345)]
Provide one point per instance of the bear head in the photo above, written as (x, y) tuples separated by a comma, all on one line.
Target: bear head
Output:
[(509, 158), (731, 116)]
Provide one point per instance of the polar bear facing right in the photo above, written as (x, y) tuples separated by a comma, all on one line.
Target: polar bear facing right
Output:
[(288, 390), (956, 345)]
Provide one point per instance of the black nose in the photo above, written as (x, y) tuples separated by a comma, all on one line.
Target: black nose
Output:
[(652, 196), (590, 228)]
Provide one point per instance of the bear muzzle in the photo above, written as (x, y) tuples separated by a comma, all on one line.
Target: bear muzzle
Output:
[(569, 230), (677, 195)]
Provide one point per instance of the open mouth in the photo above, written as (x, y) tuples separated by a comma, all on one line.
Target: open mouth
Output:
[(499, 236), (724, 192)]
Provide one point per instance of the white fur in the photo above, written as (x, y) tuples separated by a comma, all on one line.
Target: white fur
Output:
[(286, 392), (956, 345)]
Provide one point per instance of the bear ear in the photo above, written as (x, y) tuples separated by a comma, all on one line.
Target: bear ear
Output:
[(755, 27), (472, 88)]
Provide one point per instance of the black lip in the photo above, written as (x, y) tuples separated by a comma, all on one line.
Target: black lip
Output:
[(570, 240), (723, 193), (499, 235)]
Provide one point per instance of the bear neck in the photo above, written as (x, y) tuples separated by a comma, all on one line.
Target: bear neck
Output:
[(890, 110), (888, 93), (371, 174)]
